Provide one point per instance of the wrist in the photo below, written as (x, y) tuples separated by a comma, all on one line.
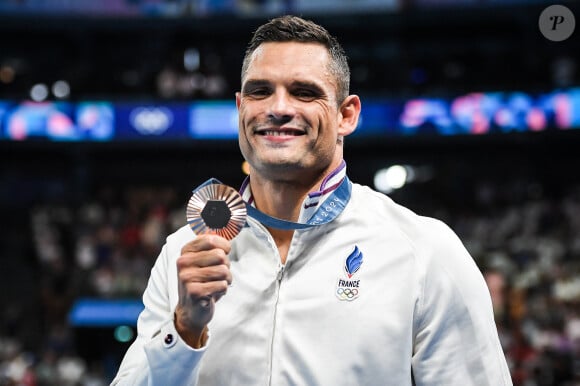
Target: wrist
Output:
[(195, 337)]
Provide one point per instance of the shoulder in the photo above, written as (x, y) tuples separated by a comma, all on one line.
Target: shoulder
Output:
[(448, 273), (386, 212), (434, 243)]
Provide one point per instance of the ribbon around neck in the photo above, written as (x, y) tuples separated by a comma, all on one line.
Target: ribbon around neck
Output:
[(330, 208)]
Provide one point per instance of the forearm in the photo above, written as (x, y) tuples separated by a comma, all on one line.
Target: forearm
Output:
[(159, 356)]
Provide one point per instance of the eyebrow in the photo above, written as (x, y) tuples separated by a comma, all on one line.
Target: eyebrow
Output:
[(252, 83), (296, 83)]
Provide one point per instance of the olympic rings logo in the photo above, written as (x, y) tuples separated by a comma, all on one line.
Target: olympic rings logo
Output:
[(346, 293)]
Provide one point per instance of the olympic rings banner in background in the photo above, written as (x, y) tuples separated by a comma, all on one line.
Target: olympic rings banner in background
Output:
[(469, 114)]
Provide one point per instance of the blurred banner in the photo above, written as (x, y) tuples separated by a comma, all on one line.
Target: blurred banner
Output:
[(201, 8), (105, 312), (470, 114), (180, 8)]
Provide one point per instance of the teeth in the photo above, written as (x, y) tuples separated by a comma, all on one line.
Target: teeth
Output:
[(274, 133)]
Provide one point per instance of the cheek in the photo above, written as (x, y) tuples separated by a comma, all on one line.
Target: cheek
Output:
[(329, 117), (241, 115), (328, 125), (247, 117)]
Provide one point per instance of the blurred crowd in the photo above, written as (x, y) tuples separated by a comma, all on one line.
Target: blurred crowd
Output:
[(102, 249), (529, 251), (527, 246)]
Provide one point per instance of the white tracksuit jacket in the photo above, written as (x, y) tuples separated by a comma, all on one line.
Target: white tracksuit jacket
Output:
[(417, 310)]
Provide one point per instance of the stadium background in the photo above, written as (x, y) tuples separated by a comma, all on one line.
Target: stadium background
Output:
[(84, 219)]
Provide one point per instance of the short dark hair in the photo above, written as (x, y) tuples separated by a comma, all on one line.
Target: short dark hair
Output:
[(290, 28)]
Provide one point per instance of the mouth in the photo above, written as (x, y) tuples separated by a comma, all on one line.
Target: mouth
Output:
[(280, 132)]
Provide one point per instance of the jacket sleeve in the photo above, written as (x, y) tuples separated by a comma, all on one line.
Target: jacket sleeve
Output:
[(158, 356), (456, 339)]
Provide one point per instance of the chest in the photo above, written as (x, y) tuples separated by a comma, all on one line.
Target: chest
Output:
[(344, 299), (332, 278)]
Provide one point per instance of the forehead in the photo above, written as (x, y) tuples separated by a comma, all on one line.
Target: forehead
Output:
[(307, 61)]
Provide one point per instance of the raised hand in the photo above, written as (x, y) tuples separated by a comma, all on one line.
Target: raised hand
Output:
[(204, 275)]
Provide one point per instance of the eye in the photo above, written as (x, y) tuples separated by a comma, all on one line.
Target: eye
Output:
[(305, 94), (257, 92), (260, 91)]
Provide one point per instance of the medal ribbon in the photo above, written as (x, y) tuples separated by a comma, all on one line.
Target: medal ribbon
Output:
[(326, 212)]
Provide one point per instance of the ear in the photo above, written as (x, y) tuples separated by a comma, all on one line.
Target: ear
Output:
[(349, 113), (238, 99)]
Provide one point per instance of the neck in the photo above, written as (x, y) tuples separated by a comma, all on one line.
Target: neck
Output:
[(283, 200), (278, 199), (283, 196)]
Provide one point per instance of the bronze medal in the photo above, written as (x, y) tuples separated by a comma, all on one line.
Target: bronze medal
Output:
[(217, 209)]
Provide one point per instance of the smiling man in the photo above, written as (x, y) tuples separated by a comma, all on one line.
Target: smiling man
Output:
[(292, 120), (329, 282)]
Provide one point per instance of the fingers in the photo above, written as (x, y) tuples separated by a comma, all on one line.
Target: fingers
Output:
[(199, 291), (207, 242), (203, 259), (205, 274), (204, 267), (203, 271)]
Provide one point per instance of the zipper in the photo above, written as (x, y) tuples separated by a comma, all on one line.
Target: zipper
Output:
[(279, 277)]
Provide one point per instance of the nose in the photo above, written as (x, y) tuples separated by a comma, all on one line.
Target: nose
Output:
[(281, 108)]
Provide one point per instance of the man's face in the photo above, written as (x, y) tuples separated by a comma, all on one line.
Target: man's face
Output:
[(289, 120)]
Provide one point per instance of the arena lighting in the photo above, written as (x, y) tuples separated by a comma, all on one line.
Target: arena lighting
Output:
[(61, 89), (246, 168), (7, 74), (123, 334), (39, 92), (392, 178), (191, 59)]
